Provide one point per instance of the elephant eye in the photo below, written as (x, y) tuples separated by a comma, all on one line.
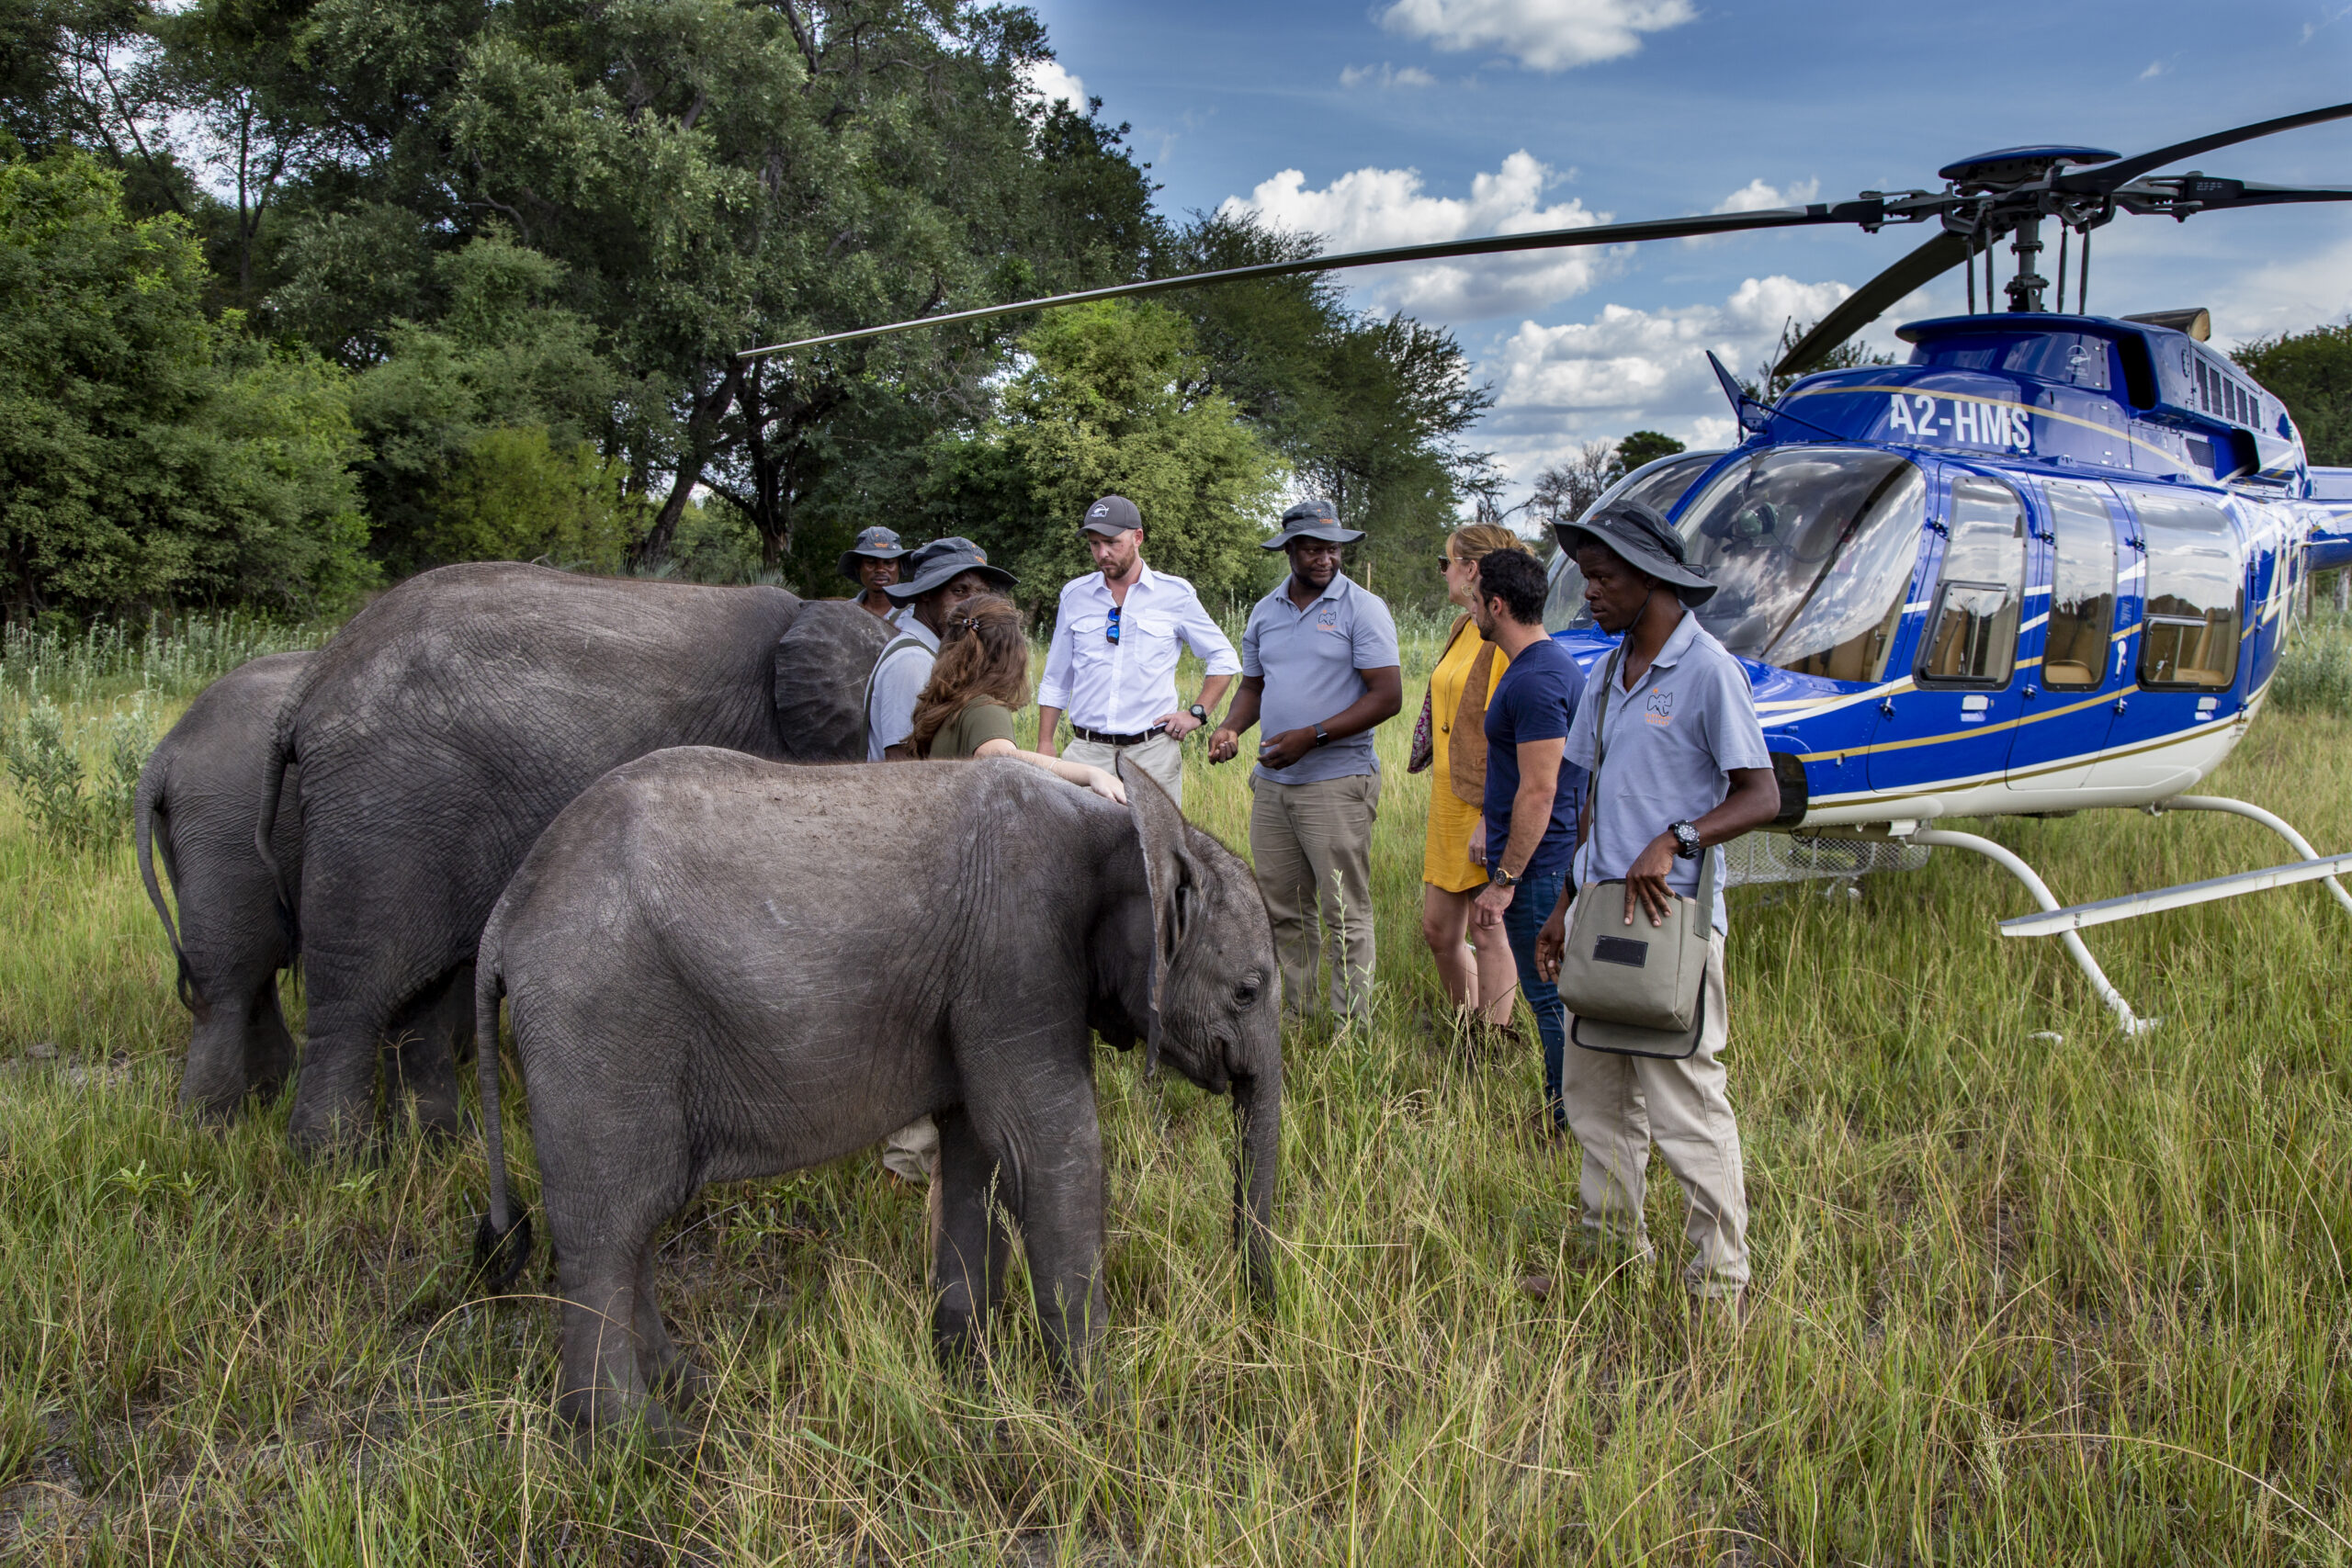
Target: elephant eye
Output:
[(1245, 995)]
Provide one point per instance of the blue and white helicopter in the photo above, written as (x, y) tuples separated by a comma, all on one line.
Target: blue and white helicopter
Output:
[(2049, 565)]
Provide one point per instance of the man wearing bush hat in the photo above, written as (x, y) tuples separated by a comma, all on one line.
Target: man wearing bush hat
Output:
[(873, 564), (1319, 666), (1677, 767), (942, 575), (1111, 663)]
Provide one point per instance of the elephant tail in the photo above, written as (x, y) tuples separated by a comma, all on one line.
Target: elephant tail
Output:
[(501, 1237), (273, 784), (146, 819)]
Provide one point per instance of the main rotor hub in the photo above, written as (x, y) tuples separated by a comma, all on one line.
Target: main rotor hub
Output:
[(2010, 167)]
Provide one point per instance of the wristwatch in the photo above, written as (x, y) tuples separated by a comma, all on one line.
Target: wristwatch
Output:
[(1322, 736), (1200, 715), (1499, 878), (1686, 840)]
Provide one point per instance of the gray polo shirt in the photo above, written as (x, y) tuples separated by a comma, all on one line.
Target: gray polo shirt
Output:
[(1673, 741), (1312, 661)]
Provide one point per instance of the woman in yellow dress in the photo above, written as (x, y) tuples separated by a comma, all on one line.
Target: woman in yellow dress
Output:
[(1479, 977)]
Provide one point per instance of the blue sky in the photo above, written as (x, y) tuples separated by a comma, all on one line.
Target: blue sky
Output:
[(1385, 122)]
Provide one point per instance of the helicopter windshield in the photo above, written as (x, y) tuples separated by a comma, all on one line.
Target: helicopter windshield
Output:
[(1811, 550), (1658, 485)]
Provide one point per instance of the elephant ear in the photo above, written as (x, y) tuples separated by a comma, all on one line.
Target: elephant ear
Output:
[(822, 665), (1173, 878)]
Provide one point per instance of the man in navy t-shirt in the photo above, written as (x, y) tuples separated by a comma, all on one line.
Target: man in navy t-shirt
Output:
[(1532, 792)]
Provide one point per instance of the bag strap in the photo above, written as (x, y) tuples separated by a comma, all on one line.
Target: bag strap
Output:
[(1710, 861), (895, 645)]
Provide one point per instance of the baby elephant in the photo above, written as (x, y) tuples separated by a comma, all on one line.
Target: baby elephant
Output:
[(720, 968)]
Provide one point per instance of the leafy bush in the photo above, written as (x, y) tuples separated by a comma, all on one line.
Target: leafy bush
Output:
[(147, 452), (165, 657), (68, 804), (518, 497), (2315, 673)]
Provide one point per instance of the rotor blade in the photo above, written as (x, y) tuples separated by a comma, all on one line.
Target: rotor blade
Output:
[(2247, 193), (1866, 304), (1865, 211), (2101, 180)]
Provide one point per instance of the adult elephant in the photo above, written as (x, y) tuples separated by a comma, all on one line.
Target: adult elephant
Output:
[(451, 720), (720, 969)]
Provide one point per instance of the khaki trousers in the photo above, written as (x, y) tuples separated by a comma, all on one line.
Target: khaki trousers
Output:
[(1618, 1106), (909, 1151), (1311, 844), (1161, 756)]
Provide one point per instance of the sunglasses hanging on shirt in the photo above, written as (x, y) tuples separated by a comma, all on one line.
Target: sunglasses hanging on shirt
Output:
[(1111, 630)]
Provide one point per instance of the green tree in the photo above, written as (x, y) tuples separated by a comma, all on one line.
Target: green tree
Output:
[(147, 452), (1372, 412), (2311, 373), (501, 358), (1642, 447), (517, 496), (1115, 399)]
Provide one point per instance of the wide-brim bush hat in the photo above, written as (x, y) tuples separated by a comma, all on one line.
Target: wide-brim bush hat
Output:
[(873, 544), (1314, 518), (1641, 538), (942, 561)]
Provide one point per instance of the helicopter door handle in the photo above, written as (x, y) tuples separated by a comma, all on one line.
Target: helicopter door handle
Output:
[(2120, 705), (2031, 693), (1886, 708)]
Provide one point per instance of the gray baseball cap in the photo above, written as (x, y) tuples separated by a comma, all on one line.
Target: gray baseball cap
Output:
[(1642, 537), (1314, 518), (1110, 516)]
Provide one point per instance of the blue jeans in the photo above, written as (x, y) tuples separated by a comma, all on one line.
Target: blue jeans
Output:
[(1531, 906)]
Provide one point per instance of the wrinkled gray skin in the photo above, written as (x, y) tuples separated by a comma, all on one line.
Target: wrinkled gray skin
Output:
[(720, 969), (453, 717), (195, 809)]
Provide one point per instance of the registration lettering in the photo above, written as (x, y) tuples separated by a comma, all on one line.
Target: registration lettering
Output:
[(1960, 420)]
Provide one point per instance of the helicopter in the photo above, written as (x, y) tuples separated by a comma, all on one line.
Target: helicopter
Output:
[(2049, 565)]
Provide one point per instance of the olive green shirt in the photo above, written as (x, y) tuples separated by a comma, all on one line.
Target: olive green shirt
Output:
[(978, 724)]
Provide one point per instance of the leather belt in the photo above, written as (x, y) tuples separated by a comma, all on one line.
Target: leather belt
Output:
[(1099, 739)]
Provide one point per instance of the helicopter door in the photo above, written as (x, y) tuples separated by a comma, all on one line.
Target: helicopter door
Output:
[(2187, 655), (2072, 684), (1954, 730)]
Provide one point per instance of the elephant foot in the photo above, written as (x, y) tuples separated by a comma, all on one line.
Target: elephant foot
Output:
[(606, 1416)]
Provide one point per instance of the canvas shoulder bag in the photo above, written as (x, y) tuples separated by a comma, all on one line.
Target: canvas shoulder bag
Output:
[(1637, 990)]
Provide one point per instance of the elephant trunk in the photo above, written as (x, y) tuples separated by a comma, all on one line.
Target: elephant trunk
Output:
[(1257, 1154)]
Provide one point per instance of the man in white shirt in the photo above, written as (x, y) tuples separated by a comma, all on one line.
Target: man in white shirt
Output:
[(1112, 664)]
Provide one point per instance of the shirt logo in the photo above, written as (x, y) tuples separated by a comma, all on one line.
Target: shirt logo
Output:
[(1329, 619), (1661, 708)]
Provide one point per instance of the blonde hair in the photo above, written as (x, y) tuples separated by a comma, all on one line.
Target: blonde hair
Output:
[(1474, 541), (983, 657)]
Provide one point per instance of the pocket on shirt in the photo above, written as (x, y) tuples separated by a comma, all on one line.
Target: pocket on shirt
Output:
[(1088, 640)]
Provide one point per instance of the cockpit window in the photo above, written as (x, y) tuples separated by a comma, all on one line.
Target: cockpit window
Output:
[(1811, 550), (1660, 485)]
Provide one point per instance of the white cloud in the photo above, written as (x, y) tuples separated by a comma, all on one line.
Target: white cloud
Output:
[(1048, 81), (1385, 75), (1549, 35), (1369, 208), (1558, 387), (1758, 196), (2155, 68)]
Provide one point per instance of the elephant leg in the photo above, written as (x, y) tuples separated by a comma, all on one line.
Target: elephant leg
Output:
[(217, 1075), (334, 1094), (269, 1045), (1061, 1210), (423, 1060), (667, 1369), (971, 1251)]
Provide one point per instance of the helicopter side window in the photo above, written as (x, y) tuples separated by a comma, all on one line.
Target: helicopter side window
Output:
[(2082, 593), (1972, 639), (1810, 549), (2190, 639), (1659, 486)]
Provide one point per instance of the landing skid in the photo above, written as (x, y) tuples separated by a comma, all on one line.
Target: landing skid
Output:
[(2065, 922)]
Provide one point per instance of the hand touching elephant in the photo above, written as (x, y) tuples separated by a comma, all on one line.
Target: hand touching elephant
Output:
[(455, 716), (719, 969)]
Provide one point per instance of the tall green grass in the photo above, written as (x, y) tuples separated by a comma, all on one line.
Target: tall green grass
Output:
[(2026, 1291)]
